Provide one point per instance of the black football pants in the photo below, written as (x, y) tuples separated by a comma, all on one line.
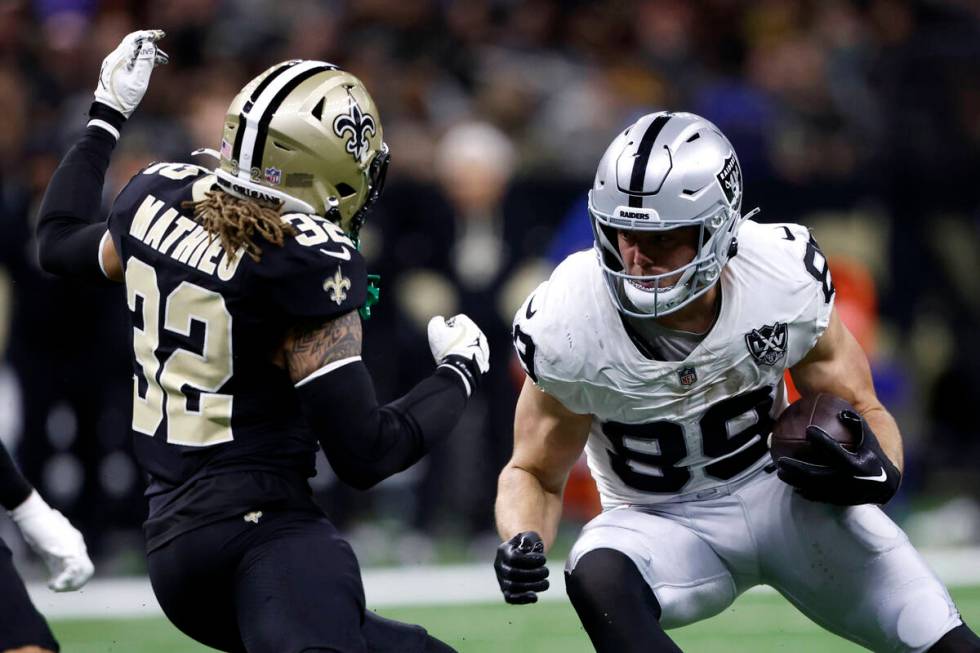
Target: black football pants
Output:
[(20, 622), (287, 584)]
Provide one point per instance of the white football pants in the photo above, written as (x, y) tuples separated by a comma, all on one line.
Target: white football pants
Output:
[(851, 570)]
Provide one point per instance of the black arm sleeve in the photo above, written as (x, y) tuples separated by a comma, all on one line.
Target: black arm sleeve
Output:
[(14, 488), (366, 443), (69, 228)]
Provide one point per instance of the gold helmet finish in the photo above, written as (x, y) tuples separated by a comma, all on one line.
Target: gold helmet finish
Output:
[(308, 135)]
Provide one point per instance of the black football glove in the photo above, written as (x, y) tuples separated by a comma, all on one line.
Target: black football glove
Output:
[(520, 567), (850, 479)]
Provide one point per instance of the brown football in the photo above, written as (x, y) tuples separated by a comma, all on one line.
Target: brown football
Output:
[(789, 431)]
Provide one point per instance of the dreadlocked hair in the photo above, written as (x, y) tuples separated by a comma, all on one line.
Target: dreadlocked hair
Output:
[(235, 221)]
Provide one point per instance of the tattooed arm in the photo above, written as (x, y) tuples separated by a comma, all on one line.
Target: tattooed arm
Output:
[(365, 442), (312, 345)]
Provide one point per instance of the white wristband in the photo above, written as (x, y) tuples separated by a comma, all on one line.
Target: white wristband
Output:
[(32, 506), (102, 124), (466, 381)]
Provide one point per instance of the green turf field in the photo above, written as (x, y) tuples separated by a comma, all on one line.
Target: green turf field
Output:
[(756, 623)]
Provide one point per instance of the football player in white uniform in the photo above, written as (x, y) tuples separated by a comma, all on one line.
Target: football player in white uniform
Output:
[(662, 353)]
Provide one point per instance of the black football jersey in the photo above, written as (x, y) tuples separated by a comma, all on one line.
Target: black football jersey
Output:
[(216, 423)]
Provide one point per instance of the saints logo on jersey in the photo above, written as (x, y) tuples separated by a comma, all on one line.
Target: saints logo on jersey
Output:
[(768, 344), (337, 286)]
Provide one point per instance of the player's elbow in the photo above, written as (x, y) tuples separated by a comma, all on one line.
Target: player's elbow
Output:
[(358, 477), (521, 474), (50, 258), (68, 246), (363, 483), (47, 253), (47, 261)]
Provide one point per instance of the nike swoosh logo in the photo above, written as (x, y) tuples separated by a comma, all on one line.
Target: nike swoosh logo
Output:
[(528, 313), (880, 477), (343, 254)]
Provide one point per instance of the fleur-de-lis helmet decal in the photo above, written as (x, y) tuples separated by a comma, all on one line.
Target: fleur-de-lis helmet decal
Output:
[(359, 125)]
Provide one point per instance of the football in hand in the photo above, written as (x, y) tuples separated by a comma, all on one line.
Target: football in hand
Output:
[(821, 410)]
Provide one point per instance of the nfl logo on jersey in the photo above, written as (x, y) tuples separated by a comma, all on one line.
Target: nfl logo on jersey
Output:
[(687, 376)]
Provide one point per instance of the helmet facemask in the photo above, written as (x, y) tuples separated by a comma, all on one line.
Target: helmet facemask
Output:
[(376, 174), (656, 295)]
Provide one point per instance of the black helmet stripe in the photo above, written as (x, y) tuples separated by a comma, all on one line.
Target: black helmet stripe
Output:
[(264, 84), (264, 106), (274, 105), (639, 173), (240, 132)]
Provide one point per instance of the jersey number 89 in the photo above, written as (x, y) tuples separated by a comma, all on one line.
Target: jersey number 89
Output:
[(210, 422), (645, 455)]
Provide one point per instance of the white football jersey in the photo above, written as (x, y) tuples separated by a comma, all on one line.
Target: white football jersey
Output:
[(661, 429)]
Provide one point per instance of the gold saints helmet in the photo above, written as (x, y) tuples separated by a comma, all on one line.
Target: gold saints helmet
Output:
[(308, 135)]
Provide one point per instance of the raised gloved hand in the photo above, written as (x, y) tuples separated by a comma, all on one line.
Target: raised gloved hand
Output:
[(58, 543), (520, 567), (864, 476), (459, 344), (125, 76)]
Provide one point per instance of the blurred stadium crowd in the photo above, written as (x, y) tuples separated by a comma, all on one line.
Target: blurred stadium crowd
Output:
[(860, 119)]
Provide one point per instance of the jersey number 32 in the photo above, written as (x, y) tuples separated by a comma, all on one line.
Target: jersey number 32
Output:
[(200, 423)]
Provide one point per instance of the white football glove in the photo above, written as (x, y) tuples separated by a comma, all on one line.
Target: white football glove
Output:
[(125, 73), (58, 543), (458, 344)]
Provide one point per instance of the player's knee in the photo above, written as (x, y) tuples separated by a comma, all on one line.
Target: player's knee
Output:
[(28, 649), (433, 645), (959, 640), (389, 636), (590, 583), (603, 578)]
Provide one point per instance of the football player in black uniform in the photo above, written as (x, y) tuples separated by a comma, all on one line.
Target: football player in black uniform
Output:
[(244, 285), (60, 545)]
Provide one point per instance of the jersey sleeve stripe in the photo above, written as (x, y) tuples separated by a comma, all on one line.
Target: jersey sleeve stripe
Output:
[(326, 369), (101, 247)]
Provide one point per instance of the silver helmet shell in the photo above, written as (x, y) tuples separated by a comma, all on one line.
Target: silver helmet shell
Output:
[(666, 171)]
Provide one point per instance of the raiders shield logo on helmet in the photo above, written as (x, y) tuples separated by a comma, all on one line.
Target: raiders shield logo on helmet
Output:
[(730, 179), (768, 344)]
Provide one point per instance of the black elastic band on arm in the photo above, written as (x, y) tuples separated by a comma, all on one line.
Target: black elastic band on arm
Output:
[(14, 488), (366, 443), (70, 226), (99, 111)]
